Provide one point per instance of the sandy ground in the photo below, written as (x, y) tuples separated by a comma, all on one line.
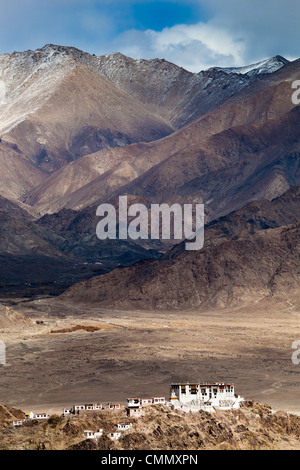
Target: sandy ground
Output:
[(142, 353)]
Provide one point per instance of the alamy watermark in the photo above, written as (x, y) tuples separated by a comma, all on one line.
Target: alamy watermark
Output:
[(2, 353), (159, 222), (296, 94)]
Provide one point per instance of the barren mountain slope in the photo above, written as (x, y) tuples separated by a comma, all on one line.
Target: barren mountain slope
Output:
[(172, 92), (175, 93), (10, 317), (17, 173), (73, 234), (16, 209), (56, 109), (250, 144), (79, 228), (61, 104), (101, 171), (39, 258), (243, 259), (178, 95), (253, 217), (20, 237), (245, 149)]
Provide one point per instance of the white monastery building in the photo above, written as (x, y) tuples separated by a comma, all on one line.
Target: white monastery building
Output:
[(192, 397), (187, 397)]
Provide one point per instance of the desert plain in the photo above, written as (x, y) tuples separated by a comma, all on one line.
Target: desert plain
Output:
[(140, 353)]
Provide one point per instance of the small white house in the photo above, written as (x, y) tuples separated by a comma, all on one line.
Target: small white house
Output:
[(133, 402), (98, 406), (136, 402), (114, 436), (135, 412), (93, 407), (89, 407), (32, 415), (113, 406), (124, 426), (41, 416), (93, 434), (147, 401), (18, 423), (159, 401), (77, 408)]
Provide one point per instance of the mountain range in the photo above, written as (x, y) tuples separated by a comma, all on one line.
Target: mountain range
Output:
[(77, 130)]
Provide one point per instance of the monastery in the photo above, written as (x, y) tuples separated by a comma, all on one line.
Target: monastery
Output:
[(187, 397)]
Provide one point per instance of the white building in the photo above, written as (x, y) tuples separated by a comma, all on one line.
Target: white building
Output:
[(18, 423), (93, 434), (78, 409), (32, 415), (114, 436), (133, 402), (146, 401), (136, 412), (192, 397), (159, 401), (136, 402), (113, 406), (98, 407), (124, 426), (94, 407)]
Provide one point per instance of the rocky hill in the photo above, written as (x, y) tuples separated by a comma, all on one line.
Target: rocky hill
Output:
[(8, 415), (253, 427), (11, 317)]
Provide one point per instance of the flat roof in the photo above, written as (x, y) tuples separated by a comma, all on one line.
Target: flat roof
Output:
[(205, 384)]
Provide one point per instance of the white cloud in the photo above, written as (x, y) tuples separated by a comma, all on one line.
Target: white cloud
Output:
[(194, 47), (237, 33)]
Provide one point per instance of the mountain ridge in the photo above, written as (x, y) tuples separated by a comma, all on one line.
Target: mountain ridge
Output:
[(236, 265)]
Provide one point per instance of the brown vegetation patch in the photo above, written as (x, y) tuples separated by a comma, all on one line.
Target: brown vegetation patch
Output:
[(88, 328)]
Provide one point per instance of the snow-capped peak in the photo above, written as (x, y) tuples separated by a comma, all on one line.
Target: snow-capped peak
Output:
[(263, 67)]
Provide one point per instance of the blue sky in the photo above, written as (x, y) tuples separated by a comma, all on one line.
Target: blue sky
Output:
[(195, 34)]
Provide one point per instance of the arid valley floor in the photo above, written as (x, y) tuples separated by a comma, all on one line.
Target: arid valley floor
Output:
[(138, 353)]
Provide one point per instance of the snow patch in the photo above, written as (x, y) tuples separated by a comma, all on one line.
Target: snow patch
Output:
[(265, 66), (27, 81), (2, 91)]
